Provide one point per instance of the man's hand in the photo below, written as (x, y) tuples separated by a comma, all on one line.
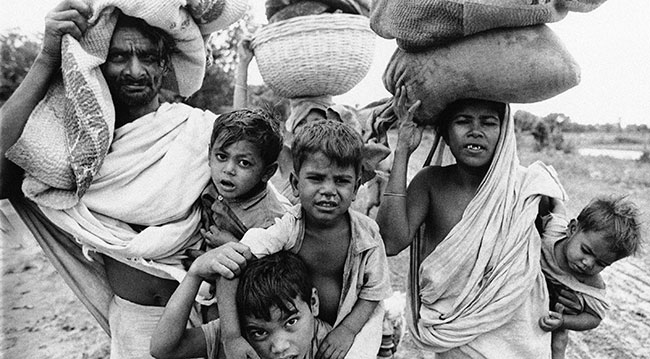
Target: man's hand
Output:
[(238, 348), (226, 261), (553, 320), (69, 17), (410, 134), (336, 344)]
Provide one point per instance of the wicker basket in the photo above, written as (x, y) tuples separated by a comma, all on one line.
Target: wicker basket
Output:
[(314, 55)]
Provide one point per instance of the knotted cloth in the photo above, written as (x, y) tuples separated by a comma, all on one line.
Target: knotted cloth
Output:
[(488, 265), (70, 131)]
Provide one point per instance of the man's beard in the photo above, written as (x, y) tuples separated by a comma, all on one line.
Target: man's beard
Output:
[(139, 97)]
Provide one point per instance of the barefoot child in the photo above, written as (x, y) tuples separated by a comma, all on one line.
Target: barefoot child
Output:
[(278, 307), (476, 287), (575, 252), (342, 248)]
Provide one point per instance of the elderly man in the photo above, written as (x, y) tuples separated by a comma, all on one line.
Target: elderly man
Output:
[(116, 234)]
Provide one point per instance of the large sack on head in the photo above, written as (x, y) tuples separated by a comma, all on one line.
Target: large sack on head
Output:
[(521, 65), (421, 24), (315, 55), (358, 7)]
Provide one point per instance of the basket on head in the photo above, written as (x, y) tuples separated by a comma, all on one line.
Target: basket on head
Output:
[(314, 55)]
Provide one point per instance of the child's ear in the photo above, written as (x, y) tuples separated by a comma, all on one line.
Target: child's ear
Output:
[(314, 302), (572, 228), (293, 180), (269, 171)]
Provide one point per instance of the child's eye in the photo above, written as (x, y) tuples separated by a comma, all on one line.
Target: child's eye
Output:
[(257, 334), (292, 321), (220, 156), (245, 163)]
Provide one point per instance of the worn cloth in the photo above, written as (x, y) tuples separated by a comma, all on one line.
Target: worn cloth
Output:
[(132, 326), (480, 293), (365, 273), (427, 23), (237, 216), (70, 131), (212, 333), (144, 182), (593, 297)]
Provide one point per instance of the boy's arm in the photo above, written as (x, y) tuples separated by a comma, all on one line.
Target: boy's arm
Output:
[(401, 212), (340, 339), (171, 338), (234, 344), (69, 17), (583, 321)]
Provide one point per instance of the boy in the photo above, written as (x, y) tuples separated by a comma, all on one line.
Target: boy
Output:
[(243, 156), (278, 308), (475, 284), (342, 248), (575, 252)]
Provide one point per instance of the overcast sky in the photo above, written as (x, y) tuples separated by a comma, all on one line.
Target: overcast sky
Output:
[(611, 44)]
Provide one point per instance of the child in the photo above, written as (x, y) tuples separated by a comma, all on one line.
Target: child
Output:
[(243, 156), (278, 308), (476, 288), (342, 248), (573, 254)]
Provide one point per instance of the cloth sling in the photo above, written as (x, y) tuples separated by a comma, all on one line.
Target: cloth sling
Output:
[(487, 265)]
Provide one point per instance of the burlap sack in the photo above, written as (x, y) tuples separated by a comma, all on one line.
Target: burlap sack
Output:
[(424, 23), (520, 65)]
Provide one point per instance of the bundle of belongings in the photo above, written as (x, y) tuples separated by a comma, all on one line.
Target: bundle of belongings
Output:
[(500, 51), (278, 10), (93, 188)]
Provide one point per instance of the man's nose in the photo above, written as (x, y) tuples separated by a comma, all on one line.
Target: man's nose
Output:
[(134, 67)]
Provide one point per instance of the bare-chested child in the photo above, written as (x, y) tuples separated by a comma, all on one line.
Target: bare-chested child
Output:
[(573, 255), (477, 286), (342, 248)]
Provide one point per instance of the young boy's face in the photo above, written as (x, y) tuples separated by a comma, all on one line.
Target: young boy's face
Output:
[(325, 189), (587, 252), (286, 335), (237, 168), (473, 134)]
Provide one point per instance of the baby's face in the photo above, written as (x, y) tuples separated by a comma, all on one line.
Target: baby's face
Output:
[(286, 335), (237, 168), (588, 253)]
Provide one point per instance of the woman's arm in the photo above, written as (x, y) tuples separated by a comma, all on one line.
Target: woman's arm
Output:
[(245, 56)]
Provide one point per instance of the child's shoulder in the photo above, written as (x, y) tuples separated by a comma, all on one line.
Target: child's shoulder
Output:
[(595, 281)]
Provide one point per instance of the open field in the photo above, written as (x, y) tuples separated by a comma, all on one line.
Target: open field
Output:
[(41, 317)]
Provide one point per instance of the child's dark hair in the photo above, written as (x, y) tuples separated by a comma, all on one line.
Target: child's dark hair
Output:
[(258, 126), (339, 142), (618, 219), (273, 281), (445, 116), (165, 43)]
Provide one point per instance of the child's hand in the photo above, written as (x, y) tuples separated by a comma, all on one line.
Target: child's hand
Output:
[(553, 320), (239, 348), (570, 302), (215, 237), (410, 134), (336, 344), (226, 261)]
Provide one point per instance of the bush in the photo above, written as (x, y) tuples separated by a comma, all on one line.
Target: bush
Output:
[(645, 157)]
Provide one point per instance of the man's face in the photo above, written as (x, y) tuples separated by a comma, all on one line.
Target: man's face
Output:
[(286, 335), (133, 68), (473, 134), (326, 190)]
